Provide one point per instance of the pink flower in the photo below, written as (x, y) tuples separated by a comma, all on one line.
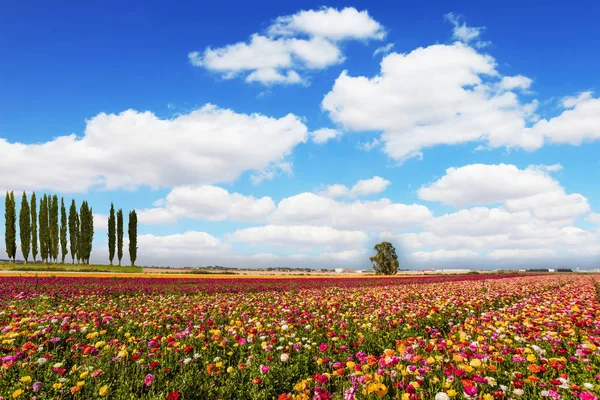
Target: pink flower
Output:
[(587, 396), (148, 380), (470, 390), (264, 369), (323, 347)]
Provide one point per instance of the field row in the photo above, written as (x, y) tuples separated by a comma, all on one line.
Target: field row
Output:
[(408, 338)]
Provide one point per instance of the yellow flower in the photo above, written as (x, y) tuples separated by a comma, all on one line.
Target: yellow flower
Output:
[(531, 358), (451, 393), (57, 386), (475, 363), (26, 379), (17, 393), (83, 375), (103, 390), (229, 369), (80, 383), (488, 396), (350, 365)]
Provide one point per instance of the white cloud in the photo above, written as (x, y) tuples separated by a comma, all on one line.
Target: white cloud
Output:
[(479, 184), (368, 146), (132, 149), (329, 23), (363, 187), (100, 222), (520, 254), (323, 135), (383, 49), (572, 101), (274, 58), (380, 215), (336, 190), (468, 101), (594, 218), (207, 203), (464, 33), (515, 82), (302, 236), (188, 244), (442, 255), (366, 187), (273, 170)]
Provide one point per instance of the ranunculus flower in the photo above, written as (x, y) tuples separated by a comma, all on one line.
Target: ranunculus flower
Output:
[(148, 380)]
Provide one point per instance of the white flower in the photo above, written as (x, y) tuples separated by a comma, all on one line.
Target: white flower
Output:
[(196, 355), (187, 361), (442, 396), (62, 380), (491, 381), (307, 327), (284, 327), (588, 386), (284, 357), (518, 392), (57, 365), (41, 361)]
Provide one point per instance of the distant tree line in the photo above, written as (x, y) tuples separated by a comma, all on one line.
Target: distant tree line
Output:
[(73, 233)]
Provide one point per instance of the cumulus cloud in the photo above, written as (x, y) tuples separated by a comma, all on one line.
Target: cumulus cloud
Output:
[(442, 255), (207, 203), (469, 101), (480, 184), (100, 222), (594, 218), (464, 33), (133, 149), (301, 236), (323, 135), (363, 187), (379, 215), (307, 40)]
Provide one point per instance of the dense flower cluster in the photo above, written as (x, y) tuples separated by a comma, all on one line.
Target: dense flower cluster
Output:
[(459, 337)]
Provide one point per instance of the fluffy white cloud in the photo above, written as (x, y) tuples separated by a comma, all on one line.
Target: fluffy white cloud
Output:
[(100, 222), (465, 33), (134, 148), (323, 135), (190, 243), (363, 187), (207, 203), (303, 41), (468, 101), (380, 215), (329, 23), (383, 49), (442, 255), (302, 236), (519, 254), (594, 218), (478, 184)]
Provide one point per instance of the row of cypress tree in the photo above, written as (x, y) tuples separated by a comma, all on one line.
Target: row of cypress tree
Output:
[(115, 235), (79, 225)]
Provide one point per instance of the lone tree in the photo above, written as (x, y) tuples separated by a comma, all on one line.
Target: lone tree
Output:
[(111, 234), (63, 230), (25, 228), (73, 231), (132, 231), (385, 262), (34, 238), (120, 235), (10, 235)]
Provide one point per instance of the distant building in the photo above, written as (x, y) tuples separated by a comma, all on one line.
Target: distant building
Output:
[(339, 270)]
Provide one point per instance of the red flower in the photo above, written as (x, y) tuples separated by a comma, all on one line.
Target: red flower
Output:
[(173, 395)]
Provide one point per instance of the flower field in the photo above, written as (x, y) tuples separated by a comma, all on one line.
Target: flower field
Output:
[(443, 337)]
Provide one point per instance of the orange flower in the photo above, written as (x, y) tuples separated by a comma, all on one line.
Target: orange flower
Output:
[(534, 368)]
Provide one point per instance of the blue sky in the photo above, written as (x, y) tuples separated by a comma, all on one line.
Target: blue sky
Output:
[(480, 117)]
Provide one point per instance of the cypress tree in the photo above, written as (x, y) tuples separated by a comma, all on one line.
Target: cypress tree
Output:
[(86, 236), (34, 234), (10, 237), (63, 230), (54, 232), (7, 225), (43, 228), (73, 231), (111, 234), (25, 228), (132, 231), (120, 235)]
